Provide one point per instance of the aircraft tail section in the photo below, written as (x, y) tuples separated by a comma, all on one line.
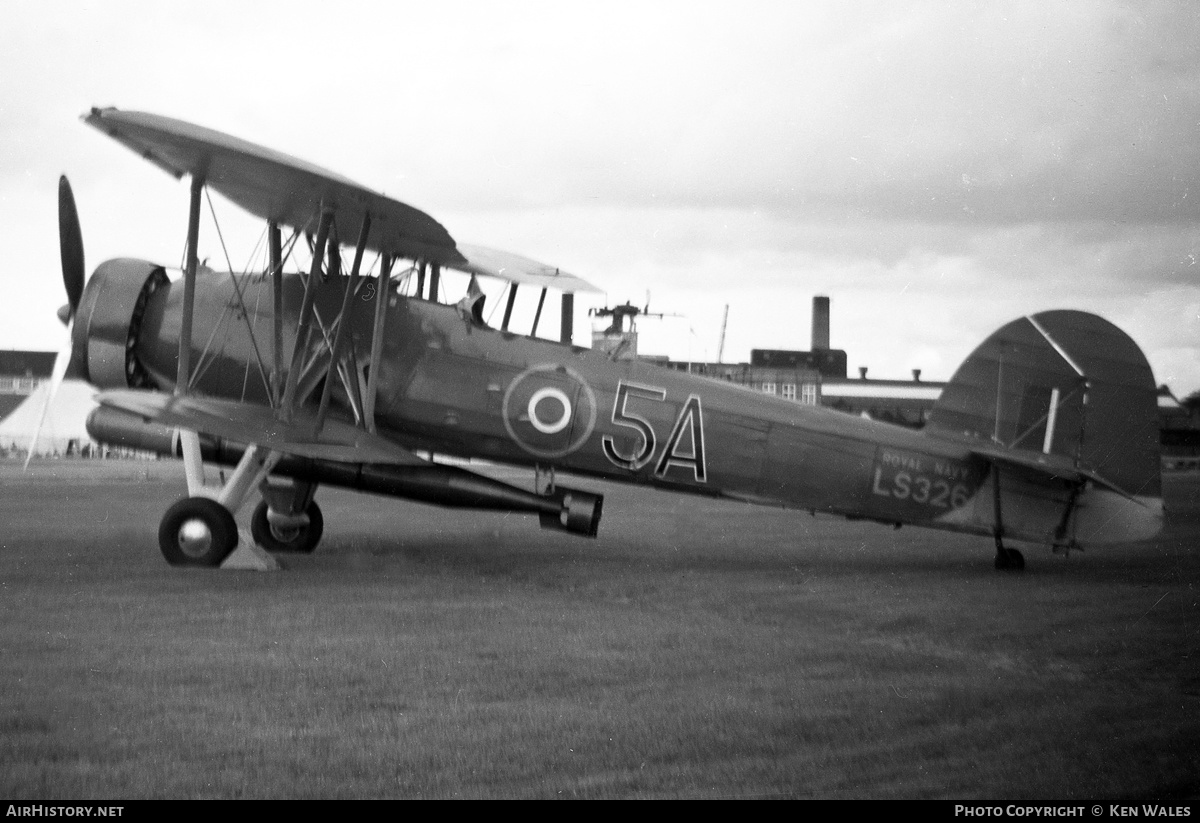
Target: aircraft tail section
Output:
[(1071, 393)]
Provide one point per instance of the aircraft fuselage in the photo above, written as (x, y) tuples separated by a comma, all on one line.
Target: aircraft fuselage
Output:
[(448, 385)]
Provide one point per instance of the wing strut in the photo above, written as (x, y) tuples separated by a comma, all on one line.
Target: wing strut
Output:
[(385, 272), (183, 375), (538, 316), (340, 337), (193, 464), (303, 325), (257, 462), (568, 317), (508, 309), (275, 246)]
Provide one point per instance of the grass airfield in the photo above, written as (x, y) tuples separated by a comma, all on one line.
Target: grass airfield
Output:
[(696, 649)]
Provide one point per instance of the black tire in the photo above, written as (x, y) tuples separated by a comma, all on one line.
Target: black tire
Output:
[(1010, 560), (197, 531), (300, 540)]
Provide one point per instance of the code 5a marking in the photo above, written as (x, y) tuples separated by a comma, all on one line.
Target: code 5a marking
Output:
[(684, 446)]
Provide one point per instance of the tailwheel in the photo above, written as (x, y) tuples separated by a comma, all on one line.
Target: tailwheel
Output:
[(197, 531), (293, 533), (1009, 560)]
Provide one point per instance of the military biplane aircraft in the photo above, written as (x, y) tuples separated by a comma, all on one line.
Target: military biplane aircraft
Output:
[(302, 374)]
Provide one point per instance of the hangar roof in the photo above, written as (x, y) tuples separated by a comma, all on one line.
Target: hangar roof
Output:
[(26, 363)]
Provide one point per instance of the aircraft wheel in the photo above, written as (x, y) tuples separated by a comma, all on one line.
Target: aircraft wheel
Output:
[(1010, 560), (197, 531), (294, 540)]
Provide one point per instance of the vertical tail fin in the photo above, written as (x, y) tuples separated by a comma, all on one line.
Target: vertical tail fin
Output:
[(1063, 383)]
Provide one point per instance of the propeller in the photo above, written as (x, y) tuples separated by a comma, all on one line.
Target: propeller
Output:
[(70, 247), (70, 244)]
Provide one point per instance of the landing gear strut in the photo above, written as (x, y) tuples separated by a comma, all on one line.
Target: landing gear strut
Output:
[(200, 530), (1007, 560)]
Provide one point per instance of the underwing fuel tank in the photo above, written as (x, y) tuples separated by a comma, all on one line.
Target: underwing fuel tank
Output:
[(109, 320), (569, 510)]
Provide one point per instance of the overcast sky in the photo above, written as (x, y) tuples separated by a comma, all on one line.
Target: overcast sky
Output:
[(937, 169)]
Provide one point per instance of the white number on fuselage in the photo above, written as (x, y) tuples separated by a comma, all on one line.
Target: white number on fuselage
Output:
[(689, 425)]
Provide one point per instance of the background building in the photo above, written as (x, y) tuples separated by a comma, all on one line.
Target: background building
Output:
[(794, 375), (20, 373), (818, 376), (24, 387)]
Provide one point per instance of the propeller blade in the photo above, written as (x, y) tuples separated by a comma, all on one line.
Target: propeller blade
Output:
[(61, 361), (70, 243)]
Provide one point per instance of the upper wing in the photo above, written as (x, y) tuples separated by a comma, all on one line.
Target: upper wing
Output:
[(517, 269), (275, 186), (249, 423)]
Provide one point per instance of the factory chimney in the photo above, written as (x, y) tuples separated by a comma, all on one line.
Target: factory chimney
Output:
[(820, 324)]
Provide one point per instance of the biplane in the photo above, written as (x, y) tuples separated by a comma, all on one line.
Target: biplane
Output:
[(303, 373)]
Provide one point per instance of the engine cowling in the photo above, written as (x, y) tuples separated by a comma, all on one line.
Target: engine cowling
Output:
[(109, 320)]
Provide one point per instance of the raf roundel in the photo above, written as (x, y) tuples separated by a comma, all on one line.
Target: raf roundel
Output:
[(555, 395), (549, 410)]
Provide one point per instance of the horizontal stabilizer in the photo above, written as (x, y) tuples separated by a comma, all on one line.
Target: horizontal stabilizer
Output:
[(1048, 467), (248, 423)]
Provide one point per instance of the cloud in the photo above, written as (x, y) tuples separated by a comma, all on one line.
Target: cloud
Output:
[(936, 168), (962, 113)]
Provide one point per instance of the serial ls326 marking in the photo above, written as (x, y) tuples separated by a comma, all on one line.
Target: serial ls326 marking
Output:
[(926, 481)]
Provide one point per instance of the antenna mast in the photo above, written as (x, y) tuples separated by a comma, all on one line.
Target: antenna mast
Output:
[(721, 345)]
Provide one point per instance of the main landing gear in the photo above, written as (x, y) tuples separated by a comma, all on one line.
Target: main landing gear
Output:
[(200, 529)]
